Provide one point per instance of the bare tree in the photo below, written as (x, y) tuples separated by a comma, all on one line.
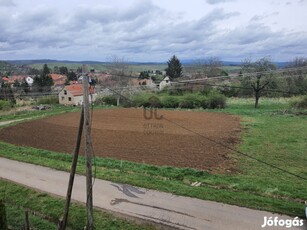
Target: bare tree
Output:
[(120, 73), (257, 75), (297, 62), (119, 69)]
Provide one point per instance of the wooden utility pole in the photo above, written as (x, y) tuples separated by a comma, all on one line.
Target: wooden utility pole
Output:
[(27, 224), (88, 154), (63, 223)]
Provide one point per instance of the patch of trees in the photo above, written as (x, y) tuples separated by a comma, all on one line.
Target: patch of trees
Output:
[(262, 78), (144, 75), (43, 82), (6, 94), (72, 76), (210, 67)]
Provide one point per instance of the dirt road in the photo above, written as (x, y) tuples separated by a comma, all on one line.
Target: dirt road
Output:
[(165, 208)]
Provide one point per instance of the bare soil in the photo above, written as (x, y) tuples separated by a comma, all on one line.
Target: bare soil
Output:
[(178, 139)]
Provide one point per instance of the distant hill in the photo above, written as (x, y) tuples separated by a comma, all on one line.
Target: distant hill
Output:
[(7, 68), (184, 62), (47, 61)]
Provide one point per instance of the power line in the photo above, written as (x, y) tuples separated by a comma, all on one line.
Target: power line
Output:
[(237, 151), (232, 149)]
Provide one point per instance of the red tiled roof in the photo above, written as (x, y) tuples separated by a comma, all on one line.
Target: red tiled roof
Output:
[(56, 77), (75, 89), (12, 79)]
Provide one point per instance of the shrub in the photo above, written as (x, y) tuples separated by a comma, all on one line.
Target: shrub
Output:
[(154, 102), (106, 100), (206, 90), (299, 103), (190, 101), (205, 103), (49, 100), (216, 101), (139, 100), (230, 90), (146, 100), (4, 105), (176, 92), (170, 102)]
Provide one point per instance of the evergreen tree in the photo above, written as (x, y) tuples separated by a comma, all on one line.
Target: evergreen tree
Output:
[(72, 76), (63, 70), (174, 69), (25, 87), (46, 70), (43, 82)]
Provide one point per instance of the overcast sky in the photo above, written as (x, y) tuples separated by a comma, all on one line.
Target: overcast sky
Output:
[(152, 30)]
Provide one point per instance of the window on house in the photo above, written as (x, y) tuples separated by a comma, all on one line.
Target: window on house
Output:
[(62, 98), (166, 81), (65, 92), (69, 99)]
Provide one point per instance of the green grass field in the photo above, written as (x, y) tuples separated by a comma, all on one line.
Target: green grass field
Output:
[(47, 211), (274, 134)]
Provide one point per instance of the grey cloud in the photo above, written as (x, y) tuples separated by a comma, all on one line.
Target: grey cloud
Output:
[(6, 3), (141, 32), (216, 15), (213, 2), (257, 40), (257, 18)]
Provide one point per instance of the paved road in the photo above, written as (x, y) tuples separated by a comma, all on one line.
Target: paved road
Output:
[(168, 209)]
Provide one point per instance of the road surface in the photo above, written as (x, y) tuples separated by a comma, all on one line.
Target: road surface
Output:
[(159, 207)]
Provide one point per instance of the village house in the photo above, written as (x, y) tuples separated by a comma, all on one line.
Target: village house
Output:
[(73, 95), (58, 81), (165, 82), (18, 78)]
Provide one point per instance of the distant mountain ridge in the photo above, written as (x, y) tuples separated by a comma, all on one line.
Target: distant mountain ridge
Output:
[(184, 62)]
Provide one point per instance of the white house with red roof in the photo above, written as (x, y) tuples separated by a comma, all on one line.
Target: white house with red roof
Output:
[(73, 95)]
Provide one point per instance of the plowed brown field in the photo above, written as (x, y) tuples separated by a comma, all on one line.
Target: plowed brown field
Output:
[(178, 139)]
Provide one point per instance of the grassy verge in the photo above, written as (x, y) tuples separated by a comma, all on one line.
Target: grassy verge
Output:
[(35, 114), (19, 199), (273, 134)]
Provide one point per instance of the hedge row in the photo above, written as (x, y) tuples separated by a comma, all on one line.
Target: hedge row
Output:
[(213, 100)]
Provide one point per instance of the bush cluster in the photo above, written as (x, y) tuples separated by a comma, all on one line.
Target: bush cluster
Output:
[(4, 105), (212, 100), (299, 103), (106, 100), (49, 100)]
